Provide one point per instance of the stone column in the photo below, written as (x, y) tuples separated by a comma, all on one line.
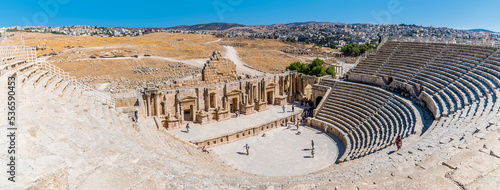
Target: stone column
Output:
[(282, 86), (259, 92), (250, 95), (177, 105), (207, 99), (265, 92), (181, 112), (148, 104), (165, 108), (157, 104), (290, 88)]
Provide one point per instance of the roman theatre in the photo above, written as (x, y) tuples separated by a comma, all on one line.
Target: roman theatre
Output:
[(440, 98)]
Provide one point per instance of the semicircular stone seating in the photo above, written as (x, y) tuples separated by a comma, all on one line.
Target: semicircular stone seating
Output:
[(369, 118), (453, 76), (458, 82)]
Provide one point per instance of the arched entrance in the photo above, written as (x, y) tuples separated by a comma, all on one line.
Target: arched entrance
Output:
[(388, 80), (318, 100)]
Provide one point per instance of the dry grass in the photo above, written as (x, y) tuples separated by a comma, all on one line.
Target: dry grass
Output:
[(74, 52), (266, 55), (262, 54), (179, 46)]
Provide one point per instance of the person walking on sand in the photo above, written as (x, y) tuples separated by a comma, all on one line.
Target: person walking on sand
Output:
[(398, 142), (293, 108), (247, 147), (283, 108), (312, 144), (312, 153), (187, 128), (326, 128)]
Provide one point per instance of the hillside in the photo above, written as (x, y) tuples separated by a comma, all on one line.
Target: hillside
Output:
[(208, 26), (482, 30)]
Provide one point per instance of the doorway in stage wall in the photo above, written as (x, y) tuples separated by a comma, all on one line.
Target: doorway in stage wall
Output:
[(187, 115), (234, 105), (270, 97)]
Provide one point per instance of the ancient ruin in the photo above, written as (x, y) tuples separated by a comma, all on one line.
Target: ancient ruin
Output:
[(441, 99)]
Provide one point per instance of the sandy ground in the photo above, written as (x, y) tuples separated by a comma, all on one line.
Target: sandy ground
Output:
[(281, 152)]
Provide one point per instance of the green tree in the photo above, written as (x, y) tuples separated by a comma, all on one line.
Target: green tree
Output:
[(316, 62), (355, 49), (318, 71), (330, 70), (304, 68), (315, 68), (295, 66)]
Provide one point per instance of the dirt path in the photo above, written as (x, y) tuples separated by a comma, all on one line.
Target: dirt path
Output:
[(214, 41), (232, 55)]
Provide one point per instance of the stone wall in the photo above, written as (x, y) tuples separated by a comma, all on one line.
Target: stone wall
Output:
[(217, 102), (367, 79), (245, 133), (219, 70)]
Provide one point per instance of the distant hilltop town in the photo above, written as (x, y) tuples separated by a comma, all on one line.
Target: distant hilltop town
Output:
[(333, 35)]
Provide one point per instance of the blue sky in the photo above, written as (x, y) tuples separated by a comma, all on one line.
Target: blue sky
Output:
[(459, 14)]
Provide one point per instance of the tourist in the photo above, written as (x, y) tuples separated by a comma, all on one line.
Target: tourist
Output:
[(236, 113), (398, 142), (312, 144), (247, 147), (283, 108), (312, 153), (326, 128), (187, 127), (136, 115), (293, 108), (286, 122), (204, 149)]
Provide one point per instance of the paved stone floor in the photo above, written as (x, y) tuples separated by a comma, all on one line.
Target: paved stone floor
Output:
[(202, 132), (281, 152)]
